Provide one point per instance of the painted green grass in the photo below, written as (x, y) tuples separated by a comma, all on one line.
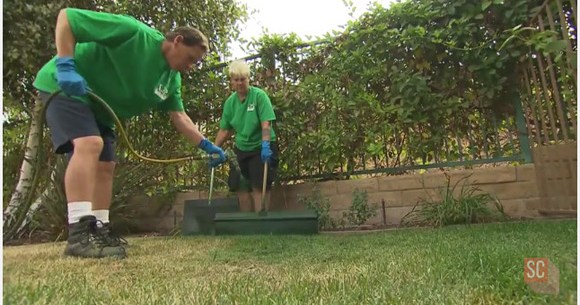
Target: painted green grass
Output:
[(481, 264)]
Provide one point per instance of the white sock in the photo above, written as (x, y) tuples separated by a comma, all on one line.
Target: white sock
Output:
[(102, 215), (78, 209)]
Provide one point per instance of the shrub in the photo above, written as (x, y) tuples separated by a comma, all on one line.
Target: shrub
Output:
[(360, 211), (321, 205), (469, 206)]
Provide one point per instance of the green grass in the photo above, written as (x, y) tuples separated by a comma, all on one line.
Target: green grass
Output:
[(480, 264)]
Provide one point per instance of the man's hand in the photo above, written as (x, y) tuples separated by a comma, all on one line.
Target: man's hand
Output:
[(266, 152), (67, 77), (186, 127), (211, 149)]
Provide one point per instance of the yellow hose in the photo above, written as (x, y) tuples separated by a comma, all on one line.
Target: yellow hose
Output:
[(124, 134)]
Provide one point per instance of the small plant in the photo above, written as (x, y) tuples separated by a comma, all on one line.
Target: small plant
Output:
[(469, 206), (360, 211), (321, 205)]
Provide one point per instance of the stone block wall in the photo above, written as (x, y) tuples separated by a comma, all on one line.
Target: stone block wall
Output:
[(514, 186)]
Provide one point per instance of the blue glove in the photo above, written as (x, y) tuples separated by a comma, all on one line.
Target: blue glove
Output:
[(266, 152), (67, 77), (211, 149)]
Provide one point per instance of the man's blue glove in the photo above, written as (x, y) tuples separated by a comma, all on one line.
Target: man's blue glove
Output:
[(212, 149), (266, 152), (67, 77)]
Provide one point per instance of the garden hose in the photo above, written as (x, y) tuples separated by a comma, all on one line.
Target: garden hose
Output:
[(229, 153), (122, 132)]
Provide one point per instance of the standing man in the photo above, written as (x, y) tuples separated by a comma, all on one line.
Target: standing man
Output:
[(135, 69), (247, 114)]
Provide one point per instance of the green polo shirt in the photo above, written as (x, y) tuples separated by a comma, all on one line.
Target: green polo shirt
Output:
[(245, 117), (121, 60)]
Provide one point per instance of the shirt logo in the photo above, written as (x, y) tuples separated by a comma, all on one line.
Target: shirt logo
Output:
[(251, 107), (161, 92)]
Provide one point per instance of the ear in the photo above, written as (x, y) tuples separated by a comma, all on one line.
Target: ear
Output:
[(178, 39)]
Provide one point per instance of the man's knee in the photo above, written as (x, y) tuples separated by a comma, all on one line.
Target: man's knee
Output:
[(92, 145)]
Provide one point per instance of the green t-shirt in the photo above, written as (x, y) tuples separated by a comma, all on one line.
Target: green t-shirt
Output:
[(122, 62), (245, 118)]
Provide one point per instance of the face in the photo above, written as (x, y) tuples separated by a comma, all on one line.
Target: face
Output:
[(183, 58), (240, 83)]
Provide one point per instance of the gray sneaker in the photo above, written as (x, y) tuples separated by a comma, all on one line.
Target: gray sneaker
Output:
[(86, 239)]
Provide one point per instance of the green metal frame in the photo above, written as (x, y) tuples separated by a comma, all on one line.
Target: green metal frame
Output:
[(524, 155), (523, 134)]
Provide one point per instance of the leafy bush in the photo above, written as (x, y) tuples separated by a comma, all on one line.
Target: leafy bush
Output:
[(421, 82), (360, 211), (321, 205), (469, 206)]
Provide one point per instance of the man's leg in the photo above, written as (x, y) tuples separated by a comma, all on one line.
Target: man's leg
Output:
[(104, 176), (102, 201), (103, 190), (79, 243), (100, 175), (79, 178), (73, 128)]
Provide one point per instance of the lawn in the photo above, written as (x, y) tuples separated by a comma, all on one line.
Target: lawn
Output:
[(480, 264)]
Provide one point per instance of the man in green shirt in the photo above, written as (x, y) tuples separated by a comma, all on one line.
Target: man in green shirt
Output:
[(248, 112), (135, 69)]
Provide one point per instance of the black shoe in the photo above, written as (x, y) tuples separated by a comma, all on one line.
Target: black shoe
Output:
[(85, 239), (114, 238)]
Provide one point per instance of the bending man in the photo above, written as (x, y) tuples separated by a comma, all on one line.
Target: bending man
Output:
[(135, 69)]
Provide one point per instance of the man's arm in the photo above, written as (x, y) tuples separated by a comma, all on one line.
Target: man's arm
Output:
[(75, 25), (186, 127), (223, 136), (65, 41)]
